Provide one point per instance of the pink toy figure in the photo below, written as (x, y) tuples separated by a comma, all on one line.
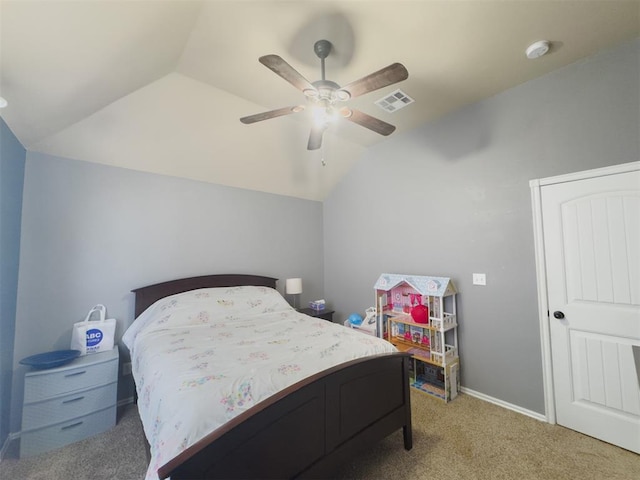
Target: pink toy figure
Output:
[(425, 341), (419, 312), (407, 336)]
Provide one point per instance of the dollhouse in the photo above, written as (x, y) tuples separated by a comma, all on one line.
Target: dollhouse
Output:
[(417, 314)]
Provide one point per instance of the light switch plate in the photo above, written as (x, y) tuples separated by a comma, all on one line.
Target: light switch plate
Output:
[(479, 279)]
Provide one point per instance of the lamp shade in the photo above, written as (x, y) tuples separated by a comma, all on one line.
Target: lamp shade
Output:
[(293, 286)]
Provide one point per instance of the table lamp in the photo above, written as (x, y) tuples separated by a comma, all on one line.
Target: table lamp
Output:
[(293, 287)]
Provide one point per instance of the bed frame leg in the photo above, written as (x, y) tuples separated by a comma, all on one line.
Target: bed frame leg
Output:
[(407, 434), (407, 431)]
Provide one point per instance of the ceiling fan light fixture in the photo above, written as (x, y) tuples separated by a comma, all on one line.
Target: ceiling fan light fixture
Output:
[(323, 115), (343, 95), (311, 93), (326, 90), (346, 112), (327, 95)]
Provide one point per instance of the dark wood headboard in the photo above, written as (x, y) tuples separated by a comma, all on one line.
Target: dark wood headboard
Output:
[(147, 296)]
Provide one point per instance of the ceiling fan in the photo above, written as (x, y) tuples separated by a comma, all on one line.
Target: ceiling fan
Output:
[(324, 96)]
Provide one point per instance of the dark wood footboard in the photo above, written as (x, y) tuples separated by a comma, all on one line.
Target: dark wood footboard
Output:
[(309, 429)]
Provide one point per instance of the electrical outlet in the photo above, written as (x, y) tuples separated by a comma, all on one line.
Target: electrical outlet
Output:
[(126, 369), (479, 279)]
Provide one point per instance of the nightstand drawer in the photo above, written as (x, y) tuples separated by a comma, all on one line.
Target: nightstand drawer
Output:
[(47, 384), (44, 439), (59, 409)]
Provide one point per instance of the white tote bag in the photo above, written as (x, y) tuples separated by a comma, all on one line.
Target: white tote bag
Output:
[(93, 336)]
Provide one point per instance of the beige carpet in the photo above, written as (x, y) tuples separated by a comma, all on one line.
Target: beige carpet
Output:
[(471, 439), (118, 454), (465, 439)]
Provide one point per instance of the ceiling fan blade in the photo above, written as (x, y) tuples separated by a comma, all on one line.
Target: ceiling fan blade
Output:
[(286, 71), (258, 117), (394, 73), (367, 121), (315, 138)]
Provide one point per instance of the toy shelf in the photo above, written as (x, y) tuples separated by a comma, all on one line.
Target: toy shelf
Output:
[(424, 342), (424, 354), (435, 324)]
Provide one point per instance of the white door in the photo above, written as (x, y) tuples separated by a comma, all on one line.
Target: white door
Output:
[(591, 230)]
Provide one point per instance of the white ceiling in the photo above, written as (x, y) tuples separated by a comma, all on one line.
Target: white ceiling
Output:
[(159, 86)]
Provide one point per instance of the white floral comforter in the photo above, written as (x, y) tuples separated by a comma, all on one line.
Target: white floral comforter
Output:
[(202, 357)]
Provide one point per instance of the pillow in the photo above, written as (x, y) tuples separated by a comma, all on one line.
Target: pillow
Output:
[(193, 306)]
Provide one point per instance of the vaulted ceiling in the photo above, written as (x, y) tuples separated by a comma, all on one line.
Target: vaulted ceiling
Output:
[(159, 86)]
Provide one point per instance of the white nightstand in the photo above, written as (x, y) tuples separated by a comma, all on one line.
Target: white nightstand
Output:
[(65, 404)]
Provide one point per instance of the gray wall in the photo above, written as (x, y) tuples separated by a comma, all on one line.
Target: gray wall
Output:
[(12, 161), (91, 233), (452, 198)]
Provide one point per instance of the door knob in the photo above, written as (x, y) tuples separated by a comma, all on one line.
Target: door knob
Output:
[(558, 314)]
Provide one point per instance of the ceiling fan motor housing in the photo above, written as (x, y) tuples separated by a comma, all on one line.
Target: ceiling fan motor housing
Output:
[(324, 90), (322, 48)]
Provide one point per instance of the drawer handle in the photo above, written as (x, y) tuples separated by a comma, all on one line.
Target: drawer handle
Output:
[(73, 400), (77, 424), (75, 373)]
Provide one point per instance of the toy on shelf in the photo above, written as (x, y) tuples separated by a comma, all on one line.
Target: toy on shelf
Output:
[(366, 325), (419, 312)]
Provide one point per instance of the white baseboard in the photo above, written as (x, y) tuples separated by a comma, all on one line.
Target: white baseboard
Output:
[(5, 446), (125, 401), (503, 404)]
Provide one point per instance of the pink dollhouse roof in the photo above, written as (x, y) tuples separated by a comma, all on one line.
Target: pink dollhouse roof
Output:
[(425, 285)]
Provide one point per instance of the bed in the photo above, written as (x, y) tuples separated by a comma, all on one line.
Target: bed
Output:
[(221, 396)]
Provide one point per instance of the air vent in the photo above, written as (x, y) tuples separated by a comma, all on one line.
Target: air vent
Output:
[(394, 101)]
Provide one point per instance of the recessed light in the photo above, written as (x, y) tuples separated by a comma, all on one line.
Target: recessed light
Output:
[(538, 49)]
